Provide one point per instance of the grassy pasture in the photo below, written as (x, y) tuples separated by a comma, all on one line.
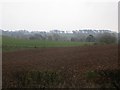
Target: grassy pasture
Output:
[(10, 44)]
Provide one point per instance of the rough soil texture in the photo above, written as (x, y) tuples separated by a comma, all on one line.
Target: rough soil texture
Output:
[(71, 60)]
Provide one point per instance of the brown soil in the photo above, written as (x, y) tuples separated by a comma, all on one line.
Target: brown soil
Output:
[(71, 60)]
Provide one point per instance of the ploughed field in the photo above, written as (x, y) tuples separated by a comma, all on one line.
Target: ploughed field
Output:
[(64, 66)]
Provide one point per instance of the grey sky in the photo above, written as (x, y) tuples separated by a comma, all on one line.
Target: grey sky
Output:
[(59, 14)]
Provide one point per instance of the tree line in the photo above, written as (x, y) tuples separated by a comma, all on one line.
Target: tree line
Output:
[(98, 36)]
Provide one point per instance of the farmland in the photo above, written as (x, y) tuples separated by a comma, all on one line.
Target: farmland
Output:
[(11, 44), (59, 67), (59, 44)]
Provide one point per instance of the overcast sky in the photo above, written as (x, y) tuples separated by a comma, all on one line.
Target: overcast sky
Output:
[(59, 14)]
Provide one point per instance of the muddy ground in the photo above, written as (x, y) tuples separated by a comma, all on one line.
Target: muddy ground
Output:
[(71, 60)]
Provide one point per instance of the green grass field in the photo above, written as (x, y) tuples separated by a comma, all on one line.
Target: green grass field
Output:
[(11, 44)]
